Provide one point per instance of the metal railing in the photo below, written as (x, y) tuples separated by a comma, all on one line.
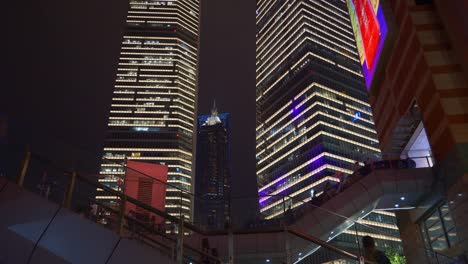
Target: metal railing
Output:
[(72, 189)]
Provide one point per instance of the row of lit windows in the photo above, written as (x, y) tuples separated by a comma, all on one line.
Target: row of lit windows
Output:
[(288, 114), (178, 41), (168, 93), (292, 50), (324, 154), (263, 6), (295, 12), (305, 57), (304, 131), (274, 131), (306, 21), (342, 139), (287, 18), (186, 5), (193, 19), (161, 87), (155, 56), (156, 62), (290, 43), (149, 149), (123, 157), (115, 166), (186, 24), (305, 177), (160, 23), (130, 45), (147, 120)]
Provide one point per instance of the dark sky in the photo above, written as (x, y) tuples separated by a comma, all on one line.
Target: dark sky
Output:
[(58, 71)]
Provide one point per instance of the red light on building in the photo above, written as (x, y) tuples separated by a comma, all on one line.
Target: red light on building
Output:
[(146, 182), (370, 29)]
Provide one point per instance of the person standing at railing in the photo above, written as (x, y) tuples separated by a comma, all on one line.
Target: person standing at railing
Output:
[(356, 167), (371, 254), (367, 168), (344, 182), (131, 221), (153, 224), (214, 253), (289, 216), (93, 211), (205, 251)]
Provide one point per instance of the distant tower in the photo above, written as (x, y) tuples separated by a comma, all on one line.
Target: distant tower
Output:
[(212, 179)]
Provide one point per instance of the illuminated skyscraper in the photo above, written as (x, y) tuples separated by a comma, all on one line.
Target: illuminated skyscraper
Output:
[(313, 115), (152, 115)]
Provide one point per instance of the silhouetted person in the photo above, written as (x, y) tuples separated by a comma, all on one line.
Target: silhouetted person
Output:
[(372, 254), (131, 223), (412, 164), (206, 250), (173, 228), (329, 191), (227, 222), (214, 253), (343, 184), (289, 216), (82, 211), (356, 167), (205, 245), (153, 223), (93, 212)]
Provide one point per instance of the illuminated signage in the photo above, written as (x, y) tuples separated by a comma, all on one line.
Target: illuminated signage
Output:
[(356, 116), (357, 33), (375, 5), (369, 29)]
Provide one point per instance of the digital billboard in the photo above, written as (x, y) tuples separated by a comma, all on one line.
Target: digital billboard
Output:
[(146, 182), (370, 30)]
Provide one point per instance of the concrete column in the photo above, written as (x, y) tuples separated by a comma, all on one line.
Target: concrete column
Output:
[(413, 245)]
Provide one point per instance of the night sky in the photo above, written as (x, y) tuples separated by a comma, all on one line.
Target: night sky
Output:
[(59, 65)]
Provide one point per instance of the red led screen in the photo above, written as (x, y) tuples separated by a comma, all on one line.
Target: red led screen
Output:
[(370, 30), (146, 182)]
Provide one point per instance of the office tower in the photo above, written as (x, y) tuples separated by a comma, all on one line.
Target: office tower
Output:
[(213, 179), (313, 115), (152, 114)]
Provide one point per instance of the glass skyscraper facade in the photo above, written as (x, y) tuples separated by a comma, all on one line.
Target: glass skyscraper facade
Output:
[(313, 115), (152, 116)]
